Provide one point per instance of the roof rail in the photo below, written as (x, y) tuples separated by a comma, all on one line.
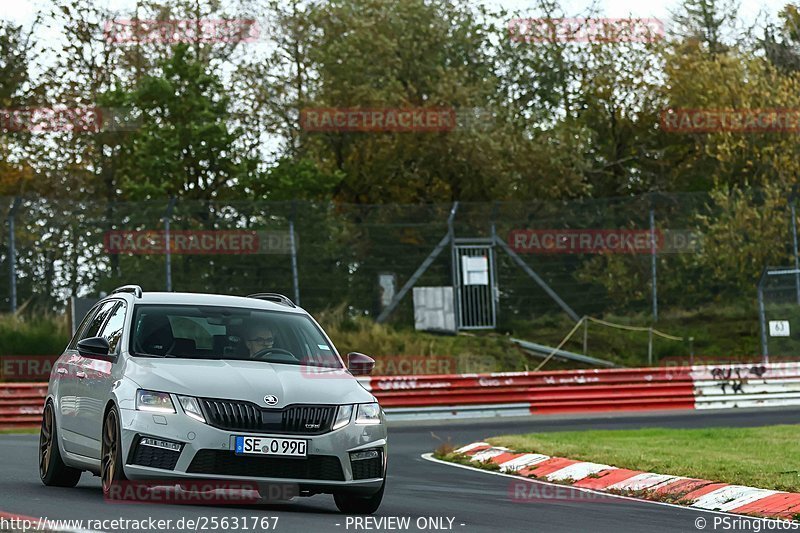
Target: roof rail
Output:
[(273, 297), (133, 289)]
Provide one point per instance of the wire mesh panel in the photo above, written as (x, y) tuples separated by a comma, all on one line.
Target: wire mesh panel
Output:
[(711, 249), (779, 310)]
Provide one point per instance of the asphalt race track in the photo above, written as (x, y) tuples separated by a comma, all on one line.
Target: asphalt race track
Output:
[(475, 501)]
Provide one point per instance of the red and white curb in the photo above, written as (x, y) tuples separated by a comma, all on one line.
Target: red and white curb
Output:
[(691, 492)]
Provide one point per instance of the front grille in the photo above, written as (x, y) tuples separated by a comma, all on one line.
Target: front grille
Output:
[(154, 457), (245, 416), (225, 463), (368, 468)]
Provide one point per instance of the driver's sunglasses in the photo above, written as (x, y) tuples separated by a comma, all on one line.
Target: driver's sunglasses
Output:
[(262, 340)]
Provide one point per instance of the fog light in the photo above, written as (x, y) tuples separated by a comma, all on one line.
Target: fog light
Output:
[(158, 443), (360, 456)]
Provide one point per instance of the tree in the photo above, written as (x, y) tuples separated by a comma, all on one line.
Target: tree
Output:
[(705, 23), (16, 174), (184, 146)]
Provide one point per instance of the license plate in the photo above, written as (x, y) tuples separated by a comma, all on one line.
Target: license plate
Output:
[(270, 446)]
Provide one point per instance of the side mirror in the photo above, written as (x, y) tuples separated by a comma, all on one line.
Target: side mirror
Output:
[(94, 347), (359, 364)]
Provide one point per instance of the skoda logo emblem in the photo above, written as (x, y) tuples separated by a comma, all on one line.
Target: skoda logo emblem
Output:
[(270, 399)]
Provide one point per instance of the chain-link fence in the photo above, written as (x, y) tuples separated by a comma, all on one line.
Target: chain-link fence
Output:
[(779, 311), (625, 256)]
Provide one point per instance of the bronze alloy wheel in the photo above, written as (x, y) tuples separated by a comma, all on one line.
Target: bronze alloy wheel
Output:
[(52, 469), (46, 441), (108, 467)]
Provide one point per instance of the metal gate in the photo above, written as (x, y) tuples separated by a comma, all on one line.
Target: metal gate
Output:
[(475, 285)]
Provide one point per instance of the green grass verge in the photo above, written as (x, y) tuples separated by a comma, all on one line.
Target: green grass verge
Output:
[(719, 332), (724, 333), (766, 457), (23, 431)]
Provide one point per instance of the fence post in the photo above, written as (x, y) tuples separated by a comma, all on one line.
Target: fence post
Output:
[(293, 245), (762, 318), (456, 266), (796, 262), (650, 346), (12, 256), (653, 261), (585, 337), (167, 217)]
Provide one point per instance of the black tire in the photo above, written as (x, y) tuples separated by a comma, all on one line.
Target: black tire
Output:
[(352, 504), (111, 471), (52, 470)]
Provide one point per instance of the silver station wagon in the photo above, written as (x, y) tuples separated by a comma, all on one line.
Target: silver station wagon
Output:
[(181, 387)]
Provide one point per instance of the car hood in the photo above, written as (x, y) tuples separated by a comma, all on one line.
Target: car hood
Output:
[(247, 380)]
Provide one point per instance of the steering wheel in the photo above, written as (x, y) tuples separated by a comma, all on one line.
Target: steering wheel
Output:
[(263, 354)]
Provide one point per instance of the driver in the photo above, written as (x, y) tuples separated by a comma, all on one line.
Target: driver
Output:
[(259, 337)]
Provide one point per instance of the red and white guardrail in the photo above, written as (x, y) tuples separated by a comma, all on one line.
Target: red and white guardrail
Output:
[(583, 391), (525, 393)]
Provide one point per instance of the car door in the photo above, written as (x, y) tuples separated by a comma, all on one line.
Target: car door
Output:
[(65, 386), (73, 382), (97, 380)]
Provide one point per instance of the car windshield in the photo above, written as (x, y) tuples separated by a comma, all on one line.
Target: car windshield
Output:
[(212, 332)]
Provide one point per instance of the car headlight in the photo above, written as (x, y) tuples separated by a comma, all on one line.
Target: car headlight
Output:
[(343, 415), (192, 408), (157, 402), (368, 414)]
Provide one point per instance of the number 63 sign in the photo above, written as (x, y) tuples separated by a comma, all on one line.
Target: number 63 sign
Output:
[(778, 328)]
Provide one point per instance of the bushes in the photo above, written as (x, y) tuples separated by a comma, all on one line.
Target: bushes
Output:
[(42, 335)]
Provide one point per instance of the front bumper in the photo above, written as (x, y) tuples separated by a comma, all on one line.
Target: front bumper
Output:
[(196, 436)]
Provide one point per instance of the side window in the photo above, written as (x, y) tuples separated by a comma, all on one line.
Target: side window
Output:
[(83, 325), (93, 329), (112, 331)]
